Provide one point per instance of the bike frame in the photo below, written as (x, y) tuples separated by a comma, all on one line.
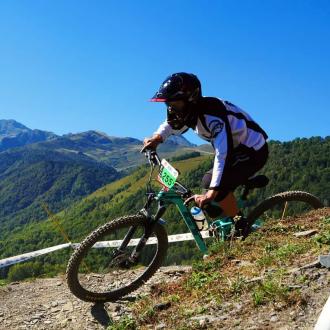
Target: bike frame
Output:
[(221, 227), (171, 197)]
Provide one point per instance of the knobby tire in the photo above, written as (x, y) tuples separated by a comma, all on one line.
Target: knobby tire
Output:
[(77, 257), (269, 203)]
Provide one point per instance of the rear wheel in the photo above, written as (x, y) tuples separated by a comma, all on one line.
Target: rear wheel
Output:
[(286, 203), (97, 271)]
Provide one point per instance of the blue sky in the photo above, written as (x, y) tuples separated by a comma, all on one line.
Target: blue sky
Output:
[(71, 66)]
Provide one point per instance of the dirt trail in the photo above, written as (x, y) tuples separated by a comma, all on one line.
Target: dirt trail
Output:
[(48, 304)]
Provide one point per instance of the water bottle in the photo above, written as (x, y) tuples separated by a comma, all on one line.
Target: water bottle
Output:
[(199, 218)]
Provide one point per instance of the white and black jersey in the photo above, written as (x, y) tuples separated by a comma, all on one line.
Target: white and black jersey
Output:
[(226, 127)]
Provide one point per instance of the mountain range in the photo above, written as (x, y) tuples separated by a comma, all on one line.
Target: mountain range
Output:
[(39, 167)]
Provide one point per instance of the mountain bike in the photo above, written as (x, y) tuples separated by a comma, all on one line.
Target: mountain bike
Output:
[(123, 254)]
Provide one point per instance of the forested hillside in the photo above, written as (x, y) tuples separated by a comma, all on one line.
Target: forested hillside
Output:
[(30, 177), (39, 167), (302, 164)]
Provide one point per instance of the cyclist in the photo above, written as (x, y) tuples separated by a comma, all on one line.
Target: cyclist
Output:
[(239, 143)]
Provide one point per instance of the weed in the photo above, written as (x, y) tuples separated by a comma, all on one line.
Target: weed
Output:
[(323, 238), (200, 310), (269, 247), (236, 287), (147, 314), (125, 323), (174, 298), (288, 250), (3, 282), (207, 265), (258, 297), (266, 260), (143, 309), (271, 289), (302, 279), (198, 279), (273, 253), (326, 220), (218, 247)]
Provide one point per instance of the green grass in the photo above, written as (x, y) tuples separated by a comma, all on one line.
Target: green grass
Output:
[(125, 323), (270, 289), (3, 282)]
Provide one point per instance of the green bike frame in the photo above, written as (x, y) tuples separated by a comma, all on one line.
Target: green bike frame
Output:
[(171, 197), (223, 226)]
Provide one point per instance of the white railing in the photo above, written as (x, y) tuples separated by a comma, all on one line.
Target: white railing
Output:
[(27, 256)]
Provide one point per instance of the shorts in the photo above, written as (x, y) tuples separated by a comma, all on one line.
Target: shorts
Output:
[(243, 163)]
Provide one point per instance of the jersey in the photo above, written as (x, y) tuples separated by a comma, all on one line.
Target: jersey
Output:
[(226, 127)]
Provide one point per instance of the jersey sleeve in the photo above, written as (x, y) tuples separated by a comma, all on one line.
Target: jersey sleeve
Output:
[(220, 144), (165, 130)]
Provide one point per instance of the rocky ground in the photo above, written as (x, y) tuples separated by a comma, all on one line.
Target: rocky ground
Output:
[(48, 304)]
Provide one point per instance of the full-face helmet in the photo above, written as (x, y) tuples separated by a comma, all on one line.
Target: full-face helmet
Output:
[(179, 91)]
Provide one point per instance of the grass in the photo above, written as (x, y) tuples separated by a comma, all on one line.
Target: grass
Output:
[(253, 273), (3, 282), (125, 323)]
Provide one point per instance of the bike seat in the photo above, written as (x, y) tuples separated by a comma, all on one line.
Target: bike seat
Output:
[(258, 181)]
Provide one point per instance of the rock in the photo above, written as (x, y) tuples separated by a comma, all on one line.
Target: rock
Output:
[(162, 306), (160, 326), (306, 233), (273, 319), (325, 261), (207, 318), (68, 307), (55, 310)]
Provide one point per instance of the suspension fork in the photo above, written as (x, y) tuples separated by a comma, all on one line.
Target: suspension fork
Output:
[(132, 229), (148, 231), (150, 224)]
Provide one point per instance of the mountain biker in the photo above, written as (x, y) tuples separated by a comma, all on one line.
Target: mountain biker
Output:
[(239, 143)]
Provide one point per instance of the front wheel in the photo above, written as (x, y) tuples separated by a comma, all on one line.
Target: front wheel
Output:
[(99, 271), (289, 202)]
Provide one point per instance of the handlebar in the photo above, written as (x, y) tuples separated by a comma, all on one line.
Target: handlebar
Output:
[(151, 155), (154, 160)]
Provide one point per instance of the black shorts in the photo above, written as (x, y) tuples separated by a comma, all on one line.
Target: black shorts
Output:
[(243, 163)]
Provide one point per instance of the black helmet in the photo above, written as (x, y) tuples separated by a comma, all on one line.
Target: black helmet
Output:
[(179, 86)]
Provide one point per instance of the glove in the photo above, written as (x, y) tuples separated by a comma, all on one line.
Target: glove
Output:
[(152, 142)]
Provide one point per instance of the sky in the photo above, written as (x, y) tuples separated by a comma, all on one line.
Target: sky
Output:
[(69, 66)]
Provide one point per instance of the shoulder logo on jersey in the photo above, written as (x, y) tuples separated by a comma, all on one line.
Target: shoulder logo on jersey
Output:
[(216, 126)]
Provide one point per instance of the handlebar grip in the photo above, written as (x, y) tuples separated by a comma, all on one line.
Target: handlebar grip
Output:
[(145, 148)]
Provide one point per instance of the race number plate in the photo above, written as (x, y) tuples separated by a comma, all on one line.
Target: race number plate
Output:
[(168, 174)]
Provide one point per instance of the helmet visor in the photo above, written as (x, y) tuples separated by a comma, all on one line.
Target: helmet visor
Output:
[(171, 89)]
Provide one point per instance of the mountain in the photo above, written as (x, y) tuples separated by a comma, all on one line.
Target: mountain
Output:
[(30, 177), (14, 134), (59, 170), (118, 152)]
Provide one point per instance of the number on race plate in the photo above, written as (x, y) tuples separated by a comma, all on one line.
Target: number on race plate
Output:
[(168, 174)]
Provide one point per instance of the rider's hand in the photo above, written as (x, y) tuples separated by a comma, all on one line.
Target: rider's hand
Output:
[(201, 200), (152, 142)]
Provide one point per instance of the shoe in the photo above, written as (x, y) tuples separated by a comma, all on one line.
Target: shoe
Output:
[(242, 227)]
